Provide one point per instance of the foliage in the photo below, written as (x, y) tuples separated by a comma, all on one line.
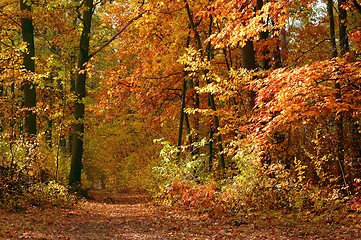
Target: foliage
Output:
[(267, 119), (120, 154), (172, 169), (256, 187), (19, 190)]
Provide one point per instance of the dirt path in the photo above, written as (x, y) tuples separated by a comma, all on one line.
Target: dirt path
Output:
[(131, 216)]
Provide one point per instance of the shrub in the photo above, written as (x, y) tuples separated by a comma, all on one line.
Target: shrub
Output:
[(19, 190)]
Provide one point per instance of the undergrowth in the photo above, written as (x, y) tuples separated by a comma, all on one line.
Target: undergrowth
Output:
[(250, 187), (19, 191)]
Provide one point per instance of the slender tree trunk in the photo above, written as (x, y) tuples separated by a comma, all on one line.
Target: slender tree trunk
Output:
[(72, 90), (212, 104), (78, 127), (340, 166), (332, 28), (263, 36), (211, 97), (342, 22), (195, 83), (182, 114), (183, 105), (189, 131), (344, 45), (27, 30)]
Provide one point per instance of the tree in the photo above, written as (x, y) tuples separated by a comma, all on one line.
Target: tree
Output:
[(342, 24), (80, 86), (79, 108), (27, 30), (332, 28)]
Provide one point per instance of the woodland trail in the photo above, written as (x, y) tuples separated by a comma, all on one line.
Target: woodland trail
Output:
[(131, 216)]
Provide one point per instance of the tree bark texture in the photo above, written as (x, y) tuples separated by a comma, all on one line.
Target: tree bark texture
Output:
[(27, 30), (342, 16), (79, 108), (332, 28)]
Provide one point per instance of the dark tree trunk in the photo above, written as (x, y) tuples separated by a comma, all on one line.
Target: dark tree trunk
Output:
[(27, 30), (357, 5), (344, 45), (182, 114), (249, 62), (78, 127), (332, 28), (183, 105), (263, 36), (248, 56), (342, 16)]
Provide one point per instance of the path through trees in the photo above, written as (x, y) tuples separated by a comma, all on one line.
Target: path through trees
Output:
[(131, 216)]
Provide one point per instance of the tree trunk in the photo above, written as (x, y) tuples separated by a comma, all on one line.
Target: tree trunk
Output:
[(263, 36), (183, 105), (182, 114), (249, 62), (332, 28), (344, 45), (27, 30), (210, 96), (342, 22), (78, 127)]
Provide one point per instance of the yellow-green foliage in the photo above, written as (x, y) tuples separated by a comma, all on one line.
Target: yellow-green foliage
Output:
[(119, 155)]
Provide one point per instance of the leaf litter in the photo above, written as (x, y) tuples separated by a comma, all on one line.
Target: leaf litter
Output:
[(134, 216)]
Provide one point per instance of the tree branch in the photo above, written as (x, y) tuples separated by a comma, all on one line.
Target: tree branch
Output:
[(309, 50), (117, 34), (357, 5)]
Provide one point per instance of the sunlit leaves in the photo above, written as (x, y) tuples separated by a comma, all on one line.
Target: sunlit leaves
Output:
[(241, 23)]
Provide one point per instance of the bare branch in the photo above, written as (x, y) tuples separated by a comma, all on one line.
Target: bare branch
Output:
[(10, 18), (117, 34), (357, 5)]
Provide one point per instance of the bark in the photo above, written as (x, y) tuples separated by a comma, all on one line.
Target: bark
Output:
[(340, 166), (332, 28), (78, 127), (263, 36), (342, 16), (344, 45), (182, 114), (248, 56), (27, 30), (357, 5), (183, 105), (249, 62), (189, 139)]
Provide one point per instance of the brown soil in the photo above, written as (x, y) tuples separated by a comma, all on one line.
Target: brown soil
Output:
[(132, 216)]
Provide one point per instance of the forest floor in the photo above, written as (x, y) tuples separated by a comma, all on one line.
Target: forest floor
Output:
[(133, 216)]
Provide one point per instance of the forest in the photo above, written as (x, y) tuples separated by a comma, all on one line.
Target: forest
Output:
[(224, 107)]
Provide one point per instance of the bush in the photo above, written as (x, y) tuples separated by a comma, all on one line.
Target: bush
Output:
[(254, 186), (19, 191), (172, 169)]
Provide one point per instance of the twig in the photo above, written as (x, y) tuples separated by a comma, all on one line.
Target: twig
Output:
[(117, 34)]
